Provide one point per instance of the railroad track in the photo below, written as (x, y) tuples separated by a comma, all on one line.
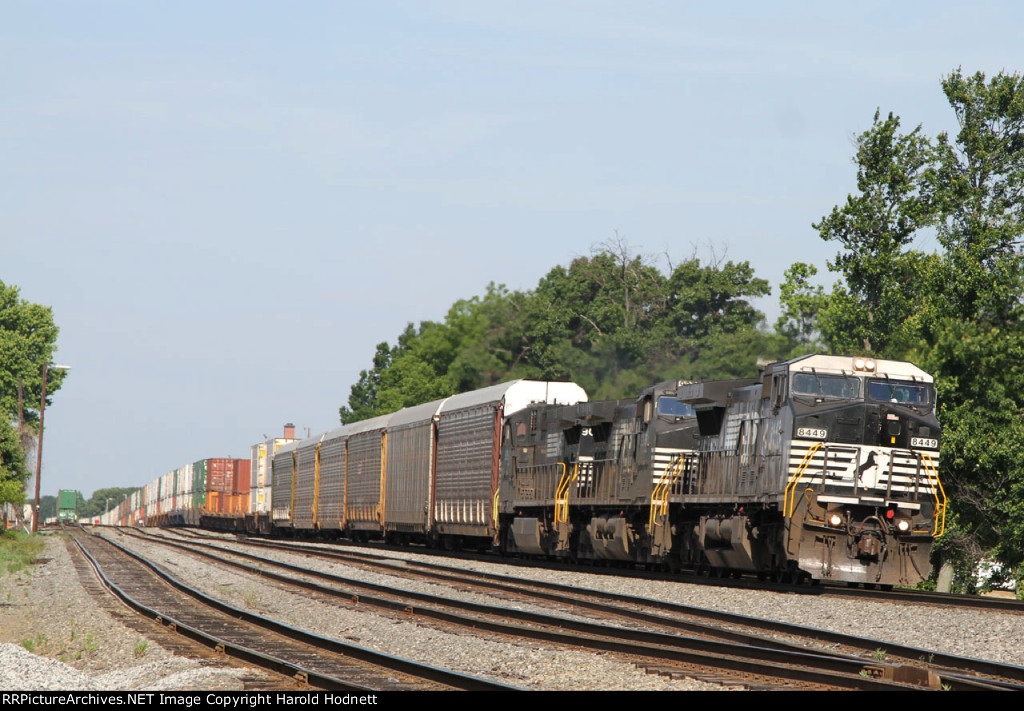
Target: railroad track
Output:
[(673, 640), (252, 678), (822, 589), (310, 659)]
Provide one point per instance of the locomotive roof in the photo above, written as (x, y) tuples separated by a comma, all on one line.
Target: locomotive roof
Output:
[(844, 364)]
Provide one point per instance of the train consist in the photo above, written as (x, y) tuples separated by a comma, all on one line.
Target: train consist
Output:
[(823, 467)]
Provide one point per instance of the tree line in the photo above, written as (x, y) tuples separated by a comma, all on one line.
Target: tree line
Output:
[(612, 321)]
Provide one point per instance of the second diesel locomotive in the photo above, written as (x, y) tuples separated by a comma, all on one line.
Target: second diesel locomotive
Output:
[(823, 467)]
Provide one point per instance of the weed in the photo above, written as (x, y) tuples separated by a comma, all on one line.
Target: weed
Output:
[(879, 655), (250, 597), (140, 650), (90, 645), (36, 643), (17, 550)]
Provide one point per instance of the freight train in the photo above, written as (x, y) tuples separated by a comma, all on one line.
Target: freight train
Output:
[(823, 467)]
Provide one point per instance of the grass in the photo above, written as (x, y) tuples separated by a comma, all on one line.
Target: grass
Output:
[(36, 643), (140, 650), (17, 550)]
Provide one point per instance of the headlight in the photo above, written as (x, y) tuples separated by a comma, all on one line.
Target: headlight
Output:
[(903, 525), (865, 364), (835, 520)]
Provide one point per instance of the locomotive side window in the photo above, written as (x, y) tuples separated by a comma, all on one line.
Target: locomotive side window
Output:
[(779, 390), (826, 386), (668, 405), (900, 391)]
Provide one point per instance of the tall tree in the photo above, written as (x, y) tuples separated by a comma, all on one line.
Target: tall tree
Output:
[(973, 320), (28, 338), (874, 228), (956, 312)]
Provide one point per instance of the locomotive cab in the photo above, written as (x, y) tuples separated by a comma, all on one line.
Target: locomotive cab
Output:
[(862, 498)]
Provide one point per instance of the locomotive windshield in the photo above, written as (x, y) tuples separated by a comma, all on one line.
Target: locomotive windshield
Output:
[(668, 405), (900, 391), (840, 387)]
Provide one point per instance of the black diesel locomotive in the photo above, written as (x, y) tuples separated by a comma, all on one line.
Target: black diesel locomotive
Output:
[(823, 467)]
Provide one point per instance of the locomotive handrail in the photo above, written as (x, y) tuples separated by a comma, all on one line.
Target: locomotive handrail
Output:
[(940, 506), (659, 497), (787, 504), (561, 495)]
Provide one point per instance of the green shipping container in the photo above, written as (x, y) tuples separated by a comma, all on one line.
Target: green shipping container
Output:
[(199, 484)]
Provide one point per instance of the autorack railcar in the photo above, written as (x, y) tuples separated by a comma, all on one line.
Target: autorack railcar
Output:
[(425, 473)]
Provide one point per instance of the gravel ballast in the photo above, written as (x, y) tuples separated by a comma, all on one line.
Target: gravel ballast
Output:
[(51, 602)]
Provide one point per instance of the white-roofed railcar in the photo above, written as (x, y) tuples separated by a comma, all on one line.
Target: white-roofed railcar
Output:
[(428, 472)]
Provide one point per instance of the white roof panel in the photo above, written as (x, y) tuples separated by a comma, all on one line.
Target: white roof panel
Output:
[(517, 394)]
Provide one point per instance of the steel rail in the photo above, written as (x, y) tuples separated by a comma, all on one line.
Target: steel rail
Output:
[(749, 654), (392, 663), (951, 665)]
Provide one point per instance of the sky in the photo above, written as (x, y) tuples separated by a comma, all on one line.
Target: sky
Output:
[(229, 204)]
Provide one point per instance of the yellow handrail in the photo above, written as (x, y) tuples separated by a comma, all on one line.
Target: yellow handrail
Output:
[(295, 466), (561, 493), (315, 508), (787, 505), (659, 497), (494, 507), (940, 506)]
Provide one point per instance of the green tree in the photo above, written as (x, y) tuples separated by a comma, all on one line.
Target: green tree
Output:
[(13, 469), (102, 500), (611, 321), (875, 228), (363, 400), (28, 337), (47, 507), (801, 304), (956, 312), (714, 328), (973, 320)]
